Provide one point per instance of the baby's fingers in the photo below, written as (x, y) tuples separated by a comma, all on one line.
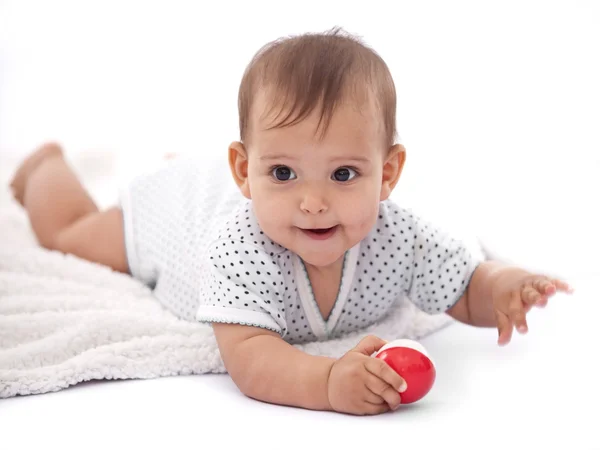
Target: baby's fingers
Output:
[(383, 390), (371, 397), (505, 328), (538, 292), (562, 285), (516, 312), (531, 297), (382, 370), (549, 286), (544, 286), (375, 408)]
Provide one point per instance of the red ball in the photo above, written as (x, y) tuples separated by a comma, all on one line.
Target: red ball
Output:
[(411, 361)]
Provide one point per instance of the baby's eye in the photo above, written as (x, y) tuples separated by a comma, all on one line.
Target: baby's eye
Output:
[(344, 174), (283, 173)]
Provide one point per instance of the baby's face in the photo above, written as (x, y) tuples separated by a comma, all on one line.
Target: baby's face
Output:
[(317, 197)]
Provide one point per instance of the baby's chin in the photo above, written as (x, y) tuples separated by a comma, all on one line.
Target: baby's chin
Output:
[(316, 257), (320, 260)]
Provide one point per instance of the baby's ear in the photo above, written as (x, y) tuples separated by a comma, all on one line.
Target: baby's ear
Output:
[(392, 169), (238, 163)]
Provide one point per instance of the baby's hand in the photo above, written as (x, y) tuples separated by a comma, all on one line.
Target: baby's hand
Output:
[(360, 384), (513, 296)]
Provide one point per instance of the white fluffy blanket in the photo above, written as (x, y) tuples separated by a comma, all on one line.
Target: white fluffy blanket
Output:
[(64, 320)]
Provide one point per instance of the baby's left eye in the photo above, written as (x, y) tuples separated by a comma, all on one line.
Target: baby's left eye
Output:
[(344, 174)]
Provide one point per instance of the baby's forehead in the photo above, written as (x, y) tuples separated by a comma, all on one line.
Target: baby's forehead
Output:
[(349, 118), (302, 141)]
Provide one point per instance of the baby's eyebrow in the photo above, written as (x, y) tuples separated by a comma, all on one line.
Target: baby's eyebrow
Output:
[(357, 159), (278, 156)]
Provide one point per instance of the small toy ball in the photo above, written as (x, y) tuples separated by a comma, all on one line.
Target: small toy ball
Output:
[(411, 361)]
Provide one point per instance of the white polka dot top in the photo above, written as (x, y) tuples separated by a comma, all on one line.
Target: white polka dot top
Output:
[(211, 262)]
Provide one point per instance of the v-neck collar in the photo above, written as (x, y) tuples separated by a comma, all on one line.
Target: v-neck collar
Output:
[(320, 327)]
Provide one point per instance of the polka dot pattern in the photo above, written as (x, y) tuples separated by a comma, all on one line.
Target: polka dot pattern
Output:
[(441, 269), (252, 274), (199, 245), (398, 258), (248, 278), (405, 256)]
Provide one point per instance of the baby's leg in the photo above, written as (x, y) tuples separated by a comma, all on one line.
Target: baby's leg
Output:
[(62, 214)]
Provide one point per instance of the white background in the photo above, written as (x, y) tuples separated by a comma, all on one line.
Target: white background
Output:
[(498, 104)]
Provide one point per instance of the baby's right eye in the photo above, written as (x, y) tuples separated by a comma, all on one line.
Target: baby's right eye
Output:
[(282, 173)]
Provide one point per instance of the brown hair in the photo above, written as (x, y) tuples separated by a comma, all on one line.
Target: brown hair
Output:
[(317, 69)]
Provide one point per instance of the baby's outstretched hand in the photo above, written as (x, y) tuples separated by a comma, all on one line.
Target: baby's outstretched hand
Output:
[(360, 384), (513, 296)]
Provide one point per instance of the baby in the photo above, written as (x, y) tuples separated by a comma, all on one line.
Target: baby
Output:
[(301, 243)]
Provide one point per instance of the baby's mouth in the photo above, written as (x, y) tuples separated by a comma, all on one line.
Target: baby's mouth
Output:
[(320, 230), (320, 233)]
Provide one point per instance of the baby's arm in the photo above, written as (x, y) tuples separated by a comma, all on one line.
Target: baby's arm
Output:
[(266, 368), (500, 295), (475, 306), (249, 322)]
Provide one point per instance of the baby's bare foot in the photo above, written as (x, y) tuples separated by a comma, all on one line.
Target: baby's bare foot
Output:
[(28, 166)]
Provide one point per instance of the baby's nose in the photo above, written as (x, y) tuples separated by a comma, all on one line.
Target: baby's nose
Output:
[(313, 203)]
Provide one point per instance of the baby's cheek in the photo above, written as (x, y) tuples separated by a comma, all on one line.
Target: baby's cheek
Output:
[(362, 217), (271, 219)]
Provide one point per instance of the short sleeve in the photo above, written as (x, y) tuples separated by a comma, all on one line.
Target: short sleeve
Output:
[(243, 285), (442, 268)]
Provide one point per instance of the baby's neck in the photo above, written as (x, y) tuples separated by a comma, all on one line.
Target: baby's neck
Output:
[(324, 272), (325, 283)]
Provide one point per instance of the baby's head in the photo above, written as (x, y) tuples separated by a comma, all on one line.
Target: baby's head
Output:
[(317, 142)]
